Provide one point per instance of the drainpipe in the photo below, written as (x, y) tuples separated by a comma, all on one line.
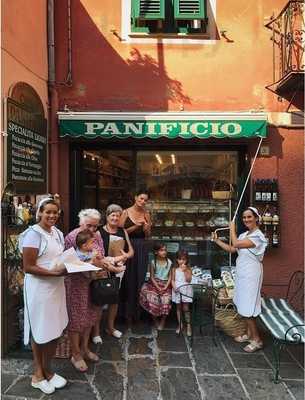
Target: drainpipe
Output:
[(53, 165)]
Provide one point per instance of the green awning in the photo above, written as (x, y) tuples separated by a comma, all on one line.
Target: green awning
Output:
[(74, 127)]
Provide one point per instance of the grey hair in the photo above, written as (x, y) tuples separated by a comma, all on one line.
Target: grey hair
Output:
[(113, 208), (89, 213)]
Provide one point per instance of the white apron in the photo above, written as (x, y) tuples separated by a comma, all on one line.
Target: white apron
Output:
[(249, 275), (45, 311)]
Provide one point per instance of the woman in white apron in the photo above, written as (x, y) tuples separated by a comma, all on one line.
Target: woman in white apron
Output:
[(45, 312), (250, 246)]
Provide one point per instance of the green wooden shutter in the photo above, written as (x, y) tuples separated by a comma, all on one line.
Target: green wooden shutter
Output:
[(190, 9), (149, 9)]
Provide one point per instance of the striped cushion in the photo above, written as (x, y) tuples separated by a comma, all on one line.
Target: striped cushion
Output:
[(278, 317)]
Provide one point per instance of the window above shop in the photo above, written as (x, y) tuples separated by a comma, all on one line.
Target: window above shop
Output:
[(168, 16), (169, 21)]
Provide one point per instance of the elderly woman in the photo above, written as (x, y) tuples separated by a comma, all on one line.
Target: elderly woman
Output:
[(45, 309), (83, 314), (250, 246), (116, 244), (137, 222)]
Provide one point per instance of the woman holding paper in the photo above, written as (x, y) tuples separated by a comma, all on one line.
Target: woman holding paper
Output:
[(137, 222), (45, 312), (89, 219), (117, 245)]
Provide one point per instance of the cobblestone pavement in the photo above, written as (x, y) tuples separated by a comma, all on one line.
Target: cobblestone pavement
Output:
[(147, 365)]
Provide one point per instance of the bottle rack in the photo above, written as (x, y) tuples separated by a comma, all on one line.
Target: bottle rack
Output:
[(266, 200)]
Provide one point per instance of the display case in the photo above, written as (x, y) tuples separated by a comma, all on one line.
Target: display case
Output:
[(187, 225)]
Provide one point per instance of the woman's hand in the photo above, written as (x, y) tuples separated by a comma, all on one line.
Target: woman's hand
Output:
[(121, 269), (60, 270), (232, 225), (99, 274), (123, 258), (214, 236)]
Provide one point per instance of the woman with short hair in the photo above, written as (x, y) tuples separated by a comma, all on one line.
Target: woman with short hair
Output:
[(90, 315), (112, 234)]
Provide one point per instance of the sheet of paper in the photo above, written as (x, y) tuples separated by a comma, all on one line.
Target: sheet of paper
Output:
[(72, 263), (80, 267), (67, 256)]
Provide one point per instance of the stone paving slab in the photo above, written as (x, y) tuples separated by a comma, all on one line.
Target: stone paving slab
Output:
[(254, 360), (74, 390), (143, 383), (22, 387), (109, 380), (174, 359), (140, 346), (66, 369), (7, 380), (169, 341), (209, 358), (179, 384), (296, 388), (260, 386), (111, 349), (149, 365), (222, 388), (17, 366)]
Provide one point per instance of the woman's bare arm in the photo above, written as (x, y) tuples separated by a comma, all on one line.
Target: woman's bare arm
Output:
[(29, 257)]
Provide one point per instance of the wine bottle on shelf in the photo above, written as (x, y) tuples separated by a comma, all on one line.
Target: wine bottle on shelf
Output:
[(274, 191), (275, 237), (268, 190), (266, 234), (258, 192), (264, 194), (275, 218)]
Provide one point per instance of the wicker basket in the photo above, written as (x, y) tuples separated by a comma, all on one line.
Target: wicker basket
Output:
[(228, 320), (63, 348), (223, 298), (219, 194)]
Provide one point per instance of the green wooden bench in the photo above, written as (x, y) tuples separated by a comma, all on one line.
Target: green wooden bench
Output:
[(284, 318)]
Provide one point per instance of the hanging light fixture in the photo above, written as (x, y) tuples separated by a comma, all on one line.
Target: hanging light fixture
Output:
[(159, 159)]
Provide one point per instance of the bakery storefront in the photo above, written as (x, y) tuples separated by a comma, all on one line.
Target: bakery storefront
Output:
[(193, 164)]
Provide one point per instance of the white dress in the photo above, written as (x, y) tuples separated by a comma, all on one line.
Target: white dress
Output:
[(249, 275), (187, 290), (45, 311)]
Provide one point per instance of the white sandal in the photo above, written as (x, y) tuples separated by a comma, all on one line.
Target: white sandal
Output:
[(45, 386), (242, 339), (97, 340), (58, 381), (253, 346)]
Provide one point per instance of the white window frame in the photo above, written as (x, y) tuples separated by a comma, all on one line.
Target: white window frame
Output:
[(210, 37)]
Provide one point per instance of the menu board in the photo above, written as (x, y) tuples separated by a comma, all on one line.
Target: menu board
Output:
[(26, 149)]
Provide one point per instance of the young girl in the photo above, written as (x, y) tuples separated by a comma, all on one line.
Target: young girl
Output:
[(155, 295), (182, 275), (82, 314)]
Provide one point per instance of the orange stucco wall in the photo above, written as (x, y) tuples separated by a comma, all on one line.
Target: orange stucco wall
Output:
[(24, 55), (230, 74), (24, 45)]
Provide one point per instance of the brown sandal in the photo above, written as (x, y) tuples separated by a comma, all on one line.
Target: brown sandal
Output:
[(80, 365)]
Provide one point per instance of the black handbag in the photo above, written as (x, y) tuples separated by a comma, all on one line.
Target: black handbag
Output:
[(105, 291)]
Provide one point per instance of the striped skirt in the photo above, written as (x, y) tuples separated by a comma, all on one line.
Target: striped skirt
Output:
[(152, 301)]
